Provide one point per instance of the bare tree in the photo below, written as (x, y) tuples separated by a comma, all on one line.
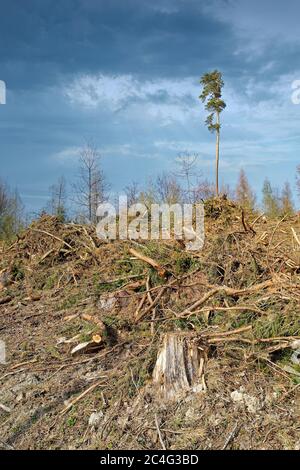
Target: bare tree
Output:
[(163, 189), (132, 192), (17, 212), (58, 199), (91, 186), (168, 189), (186, 169), (204, 190)]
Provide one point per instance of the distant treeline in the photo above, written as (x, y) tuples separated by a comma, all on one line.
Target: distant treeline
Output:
[(79, 201)]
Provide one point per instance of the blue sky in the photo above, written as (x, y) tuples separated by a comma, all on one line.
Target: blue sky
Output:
[(126, 75)]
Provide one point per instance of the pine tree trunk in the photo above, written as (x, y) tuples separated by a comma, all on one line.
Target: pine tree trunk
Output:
[(217, 155)]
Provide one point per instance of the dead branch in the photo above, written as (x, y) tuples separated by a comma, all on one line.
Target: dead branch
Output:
[(153, 304), (247, 227), (232, 436), (245, 308), (295, 236), (161, 271), (226, 291), (79, 397), (138, 315), (51, 235), (232, 332), (159, 433), (148, 289), (95, 320)]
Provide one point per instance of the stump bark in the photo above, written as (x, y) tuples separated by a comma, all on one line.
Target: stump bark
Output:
[(180, 366)]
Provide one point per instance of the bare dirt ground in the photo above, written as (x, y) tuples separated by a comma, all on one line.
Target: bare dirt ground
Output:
[(57, 279)]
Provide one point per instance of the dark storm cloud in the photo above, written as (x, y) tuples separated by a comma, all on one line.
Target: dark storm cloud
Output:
[(42, 40)]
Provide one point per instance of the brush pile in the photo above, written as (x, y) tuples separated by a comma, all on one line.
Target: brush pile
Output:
[(150, 320)]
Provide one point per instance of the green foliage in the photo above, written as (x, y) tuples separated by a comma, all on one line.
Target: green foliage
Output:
[(278, 325), (271, 202), (71, 421), (17, 272), (212, 84), (277, 204), (102, 286), (6, 227), (61, 214)]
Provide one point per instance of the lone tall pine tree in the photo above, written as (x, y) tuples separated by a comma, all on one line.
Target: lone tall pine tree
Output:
[(212, 84)]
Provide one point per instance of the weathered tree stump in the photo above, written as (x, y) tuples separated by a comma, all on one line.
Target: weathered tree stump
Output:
[(180, 365)]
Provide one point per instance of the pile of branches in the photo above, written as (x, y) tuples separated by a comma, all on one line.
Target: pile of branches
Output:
[(246, 276), (47, 245), (48, 238)]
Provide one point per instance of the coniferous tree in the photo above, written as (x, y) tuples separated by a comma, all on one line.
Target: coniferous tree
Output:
[(58, 199), (212, 84), (11, 212), (244, 194), (271, 203), (287, 206)]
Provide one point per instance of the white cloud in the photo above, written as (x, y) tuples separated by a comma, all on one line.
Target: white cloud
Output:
[(66, 154), (164, 6), (177, 100), (260, 124), (163, 99)]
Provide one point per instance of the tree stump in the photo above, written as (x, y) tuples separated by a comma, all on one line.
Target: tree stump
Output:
[(180, 365)]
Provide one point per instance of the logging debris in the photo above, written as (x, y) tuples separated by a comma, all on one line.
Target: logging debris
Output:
[(149, 325)]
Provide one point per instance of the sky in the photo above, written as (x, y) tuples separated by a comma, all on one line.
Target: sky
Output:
[(125, 74)]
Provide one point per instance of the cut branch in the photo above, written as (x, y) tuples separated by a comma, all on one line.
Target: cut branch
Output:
[(226, 291), (161, 271)]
